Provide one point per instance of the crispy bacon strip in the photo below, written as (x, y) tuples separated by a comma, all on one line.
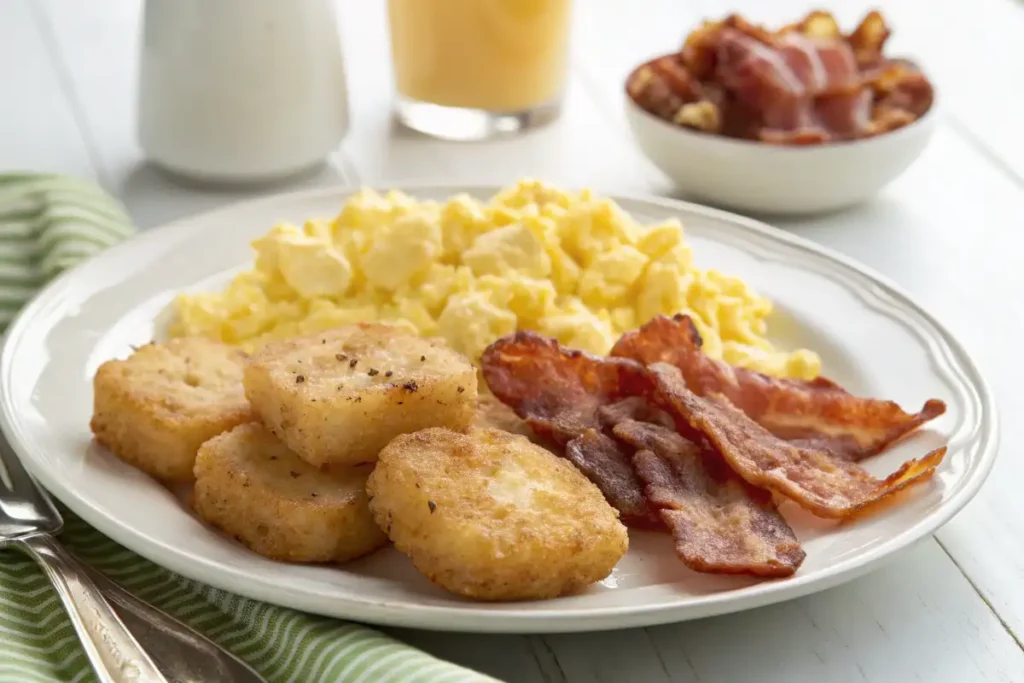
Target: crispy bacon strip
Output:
[(557, 390), (811, 477), (817, 414), (806, 88), (635, 408), (609, 465), (720, 524), (559, 393)]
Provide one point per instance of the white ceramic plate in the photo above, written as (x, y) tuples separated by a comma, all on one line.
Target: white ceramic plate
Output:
[(872, 337)]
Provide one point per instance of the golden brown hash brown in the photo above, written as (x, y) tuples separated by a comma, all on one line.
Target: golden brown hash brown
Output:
[(155, 408), (340, 396), (493, 414), (249, 485), (492, 516)]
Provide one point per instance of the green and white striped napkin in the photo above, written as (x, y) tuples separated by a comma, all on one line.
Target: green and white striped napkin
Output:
[(49, 223)]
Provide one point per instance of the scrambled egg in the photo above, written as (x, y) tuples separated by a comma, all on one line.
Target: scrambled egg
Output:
[(572, 266)]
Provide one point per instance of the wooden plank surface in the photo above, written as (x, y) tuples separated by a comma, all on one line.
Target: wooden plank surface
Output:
[(948, 231)]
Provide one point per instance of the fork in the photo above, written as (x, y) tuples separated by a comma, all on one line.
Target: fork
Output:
[(183, 654), (29, 523)]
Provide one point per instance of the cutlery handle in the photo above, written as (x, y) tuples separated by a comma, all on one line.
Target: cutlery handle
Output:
[(113, 651), (183, 654)]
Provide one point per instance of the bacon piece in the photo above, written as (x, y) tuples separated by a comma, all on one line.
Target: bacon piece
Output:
[(821, 65), (720, 523), (677, 79), (663, 87), (806, 89), (817, 24), (801, 57), (912, 94), (634, 408), (868, 39), (817, 414), (846, 114), (559, 393), (809, 476), (901, 94), (557, 390), (760, 78), (605, 462)]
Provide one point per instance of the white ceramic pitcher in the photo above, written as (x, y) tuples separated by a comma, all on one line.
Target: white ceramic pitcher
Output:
[(240, 90)]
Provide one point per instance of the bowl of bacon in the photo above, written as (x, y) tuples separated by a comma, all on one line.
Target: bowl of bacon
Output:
[(802, 119)]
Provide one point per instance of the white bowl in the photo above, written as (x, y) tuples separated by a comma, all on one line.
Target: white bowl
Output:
[(764, 178)]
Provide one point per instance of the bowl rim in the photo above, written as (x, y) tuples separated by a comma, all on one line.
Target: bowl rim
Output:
[(921, 122)]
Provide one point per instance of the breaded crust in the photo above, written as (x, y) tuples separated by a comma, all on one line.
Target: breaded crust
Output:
[(493, 414), (155, 408), (338, 397), (249, 485), (492, 516)]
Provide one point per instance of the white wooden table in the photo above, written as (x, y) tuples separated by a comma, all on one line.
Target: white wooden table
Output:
[(950, 609)]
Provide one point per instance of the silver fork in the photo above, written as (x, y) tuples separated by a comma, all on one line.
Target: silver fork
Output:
[(29, 522)]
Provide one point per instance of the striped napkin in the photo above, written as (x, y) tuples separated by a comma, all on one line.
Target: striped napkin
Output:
[(49, 223)]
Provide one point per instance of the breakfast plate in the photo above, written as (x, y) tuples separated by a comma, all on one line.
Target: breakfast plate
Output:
[(872, 338)]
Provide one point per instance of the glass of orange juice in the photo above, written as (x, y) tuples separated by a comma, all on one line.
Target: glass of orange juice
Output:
[(473, 69)]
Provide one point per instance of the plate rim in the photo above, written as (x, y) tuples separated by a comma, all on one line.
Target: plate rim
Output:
[(473, 617)]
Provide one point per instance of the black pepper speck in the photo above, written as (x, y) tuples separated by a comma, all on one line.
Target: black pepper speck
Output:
[(295, 475), (388, 373), (352, 363), (432, 505), (340, 356), (411, 386), (373, 372), (299, 379)]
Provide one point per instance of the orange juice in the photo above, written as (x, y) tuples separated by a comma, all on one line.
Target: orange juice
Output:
[(495, 55)]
